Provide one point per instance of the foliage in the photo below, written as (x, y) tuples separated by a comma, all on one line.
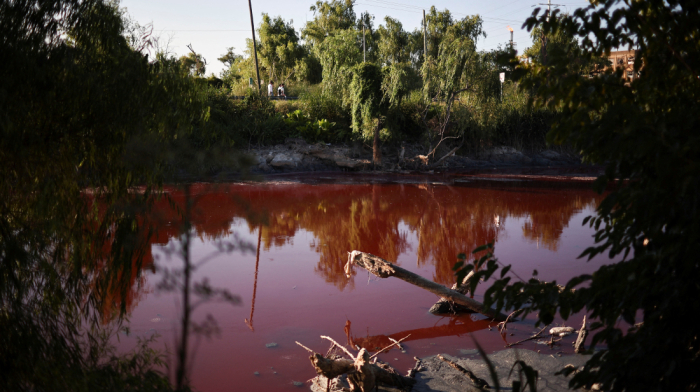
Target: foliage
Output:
[(312, 131), (644, 133), (561, 44), (330, 17), (308, 69), (229, 58), (321, 106), (194, 64), (393, 42), (366, 99), (338, 54), (80, 107), (278, 49)]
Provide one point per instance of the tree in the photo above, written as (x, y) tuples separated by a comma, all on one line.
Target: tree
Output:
[(437, 23), (645, 133), (81, 112), (393, 42), (452, 71), (278, 49), (194, 64), (560, 44), (338, 54), (330, 17), (230, 58), (366, 98), (235, 66)]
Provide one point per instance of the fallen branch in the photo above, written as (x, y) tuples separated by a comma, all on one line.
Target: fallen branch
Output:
[(307, 349), (535, 336), (478, 382), (338, 345), (443, 306), (579, 346), (502, 326), (389, 346), (384, 269), (449, 154), (362, 375), (396, 341)]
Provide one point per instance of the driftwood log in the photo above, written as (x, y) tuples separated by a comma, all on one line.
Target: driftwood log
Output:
[(384, 269), (361, 374)]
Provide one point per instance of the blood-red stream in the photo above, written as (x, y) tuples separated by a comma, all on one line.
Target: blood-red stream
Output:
[(291, 283)]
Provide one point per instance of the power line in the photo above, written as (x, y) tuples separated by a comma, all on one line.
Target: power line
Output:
[(199, 30), (485, 18)]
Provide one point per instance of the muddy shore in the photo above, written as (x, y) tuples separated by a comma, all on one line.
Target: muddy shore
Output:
[(436, 375), (296, 156)]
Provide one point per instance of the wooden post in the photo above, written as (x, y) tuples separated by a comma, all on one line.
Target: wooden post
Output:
[(255, 49), (425, 39)]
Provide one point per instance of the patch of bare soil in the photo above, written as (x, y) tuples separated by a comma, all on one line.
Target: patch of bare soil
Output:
[(295, 156)]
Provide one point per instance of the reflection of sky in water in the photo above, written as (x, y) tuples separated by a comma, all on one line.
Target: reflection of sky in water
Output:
[(301, 292)]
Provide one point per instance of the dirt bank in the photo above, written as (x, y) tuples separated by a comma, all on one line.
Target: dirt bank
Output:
[(298, 156)]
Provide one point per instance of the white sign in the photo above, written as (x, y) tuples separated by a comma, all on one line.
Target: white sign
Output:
[(502, 76)]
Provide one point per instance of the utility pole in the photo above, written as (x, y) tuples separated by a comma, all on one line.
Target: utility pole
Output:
[(425, 39), (544, 37), (364, 55), (255, 45)]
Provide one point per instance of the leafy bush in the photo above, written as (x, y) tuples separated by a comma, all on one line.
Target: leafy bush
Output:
[(645, 132)]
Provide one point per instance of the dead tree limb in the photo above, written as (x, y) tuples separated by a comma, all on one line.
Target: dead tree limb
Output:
[(362, 375), (478, 382), (396, 343), (449, 154), (443, 305), (384, 269), (579, 346), (339, 346)]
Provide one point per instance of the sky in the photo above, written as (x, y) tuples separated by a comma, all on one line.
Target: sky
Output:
[(211, 26)]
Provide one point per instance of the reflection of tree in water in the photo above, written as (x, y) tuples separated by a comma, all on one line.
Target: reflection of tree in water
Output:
[(353, 220), (448, 220), (545, 225)]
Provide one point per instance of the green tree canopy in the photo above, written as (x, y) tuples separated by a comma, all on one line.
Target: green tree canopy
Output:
[(330, 17), (645, 133), (338, 54), (278, 47), (194, 64), (393, 42), (230, 57)]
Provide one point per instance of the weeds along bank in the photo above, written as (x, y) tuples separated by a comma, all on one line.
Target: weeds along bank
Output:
[(475, 122)]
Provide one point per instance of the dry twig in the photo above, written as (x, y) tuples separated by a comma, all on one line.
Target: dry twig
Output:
[(341, 347), (389, 346), (307, 349), (535, 336)]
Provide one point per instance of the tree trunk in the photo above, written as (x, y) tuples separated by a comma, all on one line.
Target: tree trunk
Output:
[(376, 150)]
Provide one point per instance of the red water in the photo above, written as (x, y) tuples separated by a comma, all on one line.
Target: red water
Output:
[(295, 288)]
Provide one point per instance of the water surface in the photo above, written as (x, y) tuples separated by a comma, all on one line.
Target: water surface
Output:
[(290, 277)]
